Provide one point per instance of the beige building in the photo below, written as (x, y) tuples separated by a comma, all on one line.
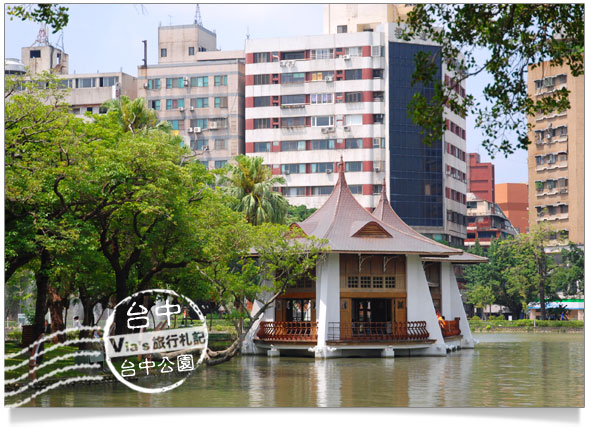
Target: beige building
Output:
[(199, 90), (556, 158), (87, 92), (356, 18)]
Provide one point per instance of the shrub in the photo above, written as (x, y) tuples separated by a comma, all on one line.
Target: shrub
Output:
[(475, 318)]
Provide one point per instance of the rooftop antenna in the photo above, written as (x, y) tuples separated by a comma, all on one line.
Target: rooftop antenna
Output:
[(42, 39), (197, 19), (170, 19), (60, 41), (247, 33)]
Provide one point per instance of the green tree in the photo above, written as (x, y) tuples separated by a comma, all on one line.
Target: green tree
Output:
[(251, 185), (569, 276), (481, 296), (54, 15), (134, 116), (513, 37), (298, 213)]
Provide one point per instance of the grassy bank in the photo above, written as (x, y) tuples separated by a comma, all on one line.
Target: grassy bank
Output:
[(494, 324)]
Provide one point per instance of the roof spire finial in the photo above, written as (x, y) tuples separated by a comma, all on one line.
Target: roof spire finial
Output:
[(384, 188)]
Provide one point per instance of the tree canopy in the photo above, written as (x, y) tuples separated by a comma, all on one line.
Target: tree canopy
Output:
[(512, 37)]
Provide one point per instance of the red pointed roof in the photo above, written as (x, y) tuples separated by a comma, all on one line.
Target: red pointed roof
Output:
[(349, 227)]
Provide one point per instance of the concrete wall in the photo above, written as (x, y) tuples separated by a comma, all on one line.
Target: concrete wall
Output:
[(512, 199), (177, 40)]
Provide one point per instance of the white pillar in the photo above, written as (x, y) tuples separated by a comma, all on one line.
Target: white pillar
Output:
[(327, 301), (456, 307), (419, 305)]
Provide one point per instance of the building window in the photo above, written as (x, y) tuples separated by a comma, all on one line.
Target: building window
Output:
[(199, 81), (262, 101), (261, 79), (341, 29), (34, 54), (175, 82), (354, 143), (353, 119), (322, 75), (262, 123), (163, 52), (353, 167), (377, 189), (353, 51), (108, 81), (378, 282), (220, 81), (261, 57), (200, 102), (288, 122), (322, 121), (293, 168), (353, 75), (191, 51), (221, 144), (220, 163), (294, 191), (378, 73), (155, 104), (377, 51), (221, 102), (321, 167), (177, 124), (322, 190), (293, 146), (321, 54), (300, 54), (262, 147), (293, 99), (353, 96), (86, 83), (173, 104), (352, 282), (378, 118), (153, 84), (365, 282), (379, 143), (321, 98), (199, 123), (199, 144), (293, 77), (390, 282), (322, 144)]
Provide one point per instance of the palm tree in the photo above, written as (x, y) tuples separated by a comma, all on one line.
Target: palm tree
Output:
[(251, 184), (134, 115)]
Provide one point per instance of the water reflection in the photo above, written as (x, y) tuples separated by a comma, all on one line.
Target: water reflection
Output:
[(504, 370)]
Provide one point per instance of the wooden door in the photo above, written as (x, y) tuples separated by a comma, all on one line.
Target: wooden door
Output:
[(345, 329)]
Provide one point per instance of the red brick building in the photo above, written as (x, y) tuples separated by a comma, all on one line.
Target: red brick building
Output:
[(481, 178), (512, 198)]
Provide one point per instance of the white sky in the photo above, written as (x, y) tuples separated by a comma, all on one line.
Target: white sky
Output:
[(108, 37)]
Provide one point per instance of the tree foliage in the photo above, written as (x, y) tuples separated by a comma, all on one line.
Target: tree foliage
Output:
[(251, 185), (512, 37), (54, 15)]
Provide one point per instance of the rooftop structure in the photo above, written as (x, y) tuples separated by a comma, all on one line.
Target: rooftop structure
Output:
[(481, 178), (513, 200), (486, 221), (377, 290)]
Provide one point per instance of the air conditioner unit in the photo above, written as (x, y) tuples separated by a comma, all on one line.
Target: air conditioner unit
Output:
[(376, 169), (192, 108), (206, 148), (186, 81), (347, 128), (145, 85), (181, 109), (190, 130), (328, 78), (324, 130), (212, 125), (292, 63), (329, 171), (282, 63), (197, 130), (329, 129), (346, 56), (286, 173)]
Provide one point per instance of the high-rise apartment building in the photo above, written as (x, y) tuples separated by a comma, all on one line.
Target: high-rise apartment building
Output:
[(199, 90), (310, 100), (481, 178), (512, 199), (486, 221), (556, 156)]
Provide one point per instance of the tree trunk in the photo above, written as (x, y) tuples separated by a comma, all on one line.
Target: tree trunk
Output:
[(120, 313), (56, 310), (542, 285), (42, 282)]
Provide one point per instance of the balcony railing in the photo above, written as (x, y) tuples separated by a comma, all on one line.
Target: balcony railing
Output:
[(377, 331), (288, 331), (451, 328)]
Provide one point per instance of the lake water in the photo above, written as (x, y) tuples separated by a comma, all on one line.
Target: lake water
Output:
[(504, 370)]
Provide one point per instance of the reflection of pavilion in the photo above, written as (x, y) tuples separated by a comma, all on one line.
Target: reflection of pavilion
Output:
[(377, 290)]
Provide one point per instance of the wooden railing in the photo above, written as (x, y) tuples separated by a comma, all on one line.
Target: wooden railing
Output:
[(288, 331), (451, 328), (377, 331)]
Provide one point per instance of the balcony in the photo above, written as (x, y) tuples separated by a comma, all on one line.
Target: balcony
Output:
[(451, 328), (288, 332), (377, 332)]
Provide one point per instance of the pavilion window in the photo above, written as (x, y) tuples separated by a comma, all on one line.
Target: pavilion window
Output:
[(352, 282)]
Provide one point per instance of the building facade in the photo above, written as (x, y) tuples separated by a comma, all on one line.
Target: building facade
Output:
[(481, 178), (556, 155), (486, 221), (199, 90), (512, 198), (309, 100)]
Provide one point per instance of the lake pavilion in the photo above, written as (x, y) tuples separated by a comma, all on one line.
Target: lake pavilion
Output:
[(377, 292)]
